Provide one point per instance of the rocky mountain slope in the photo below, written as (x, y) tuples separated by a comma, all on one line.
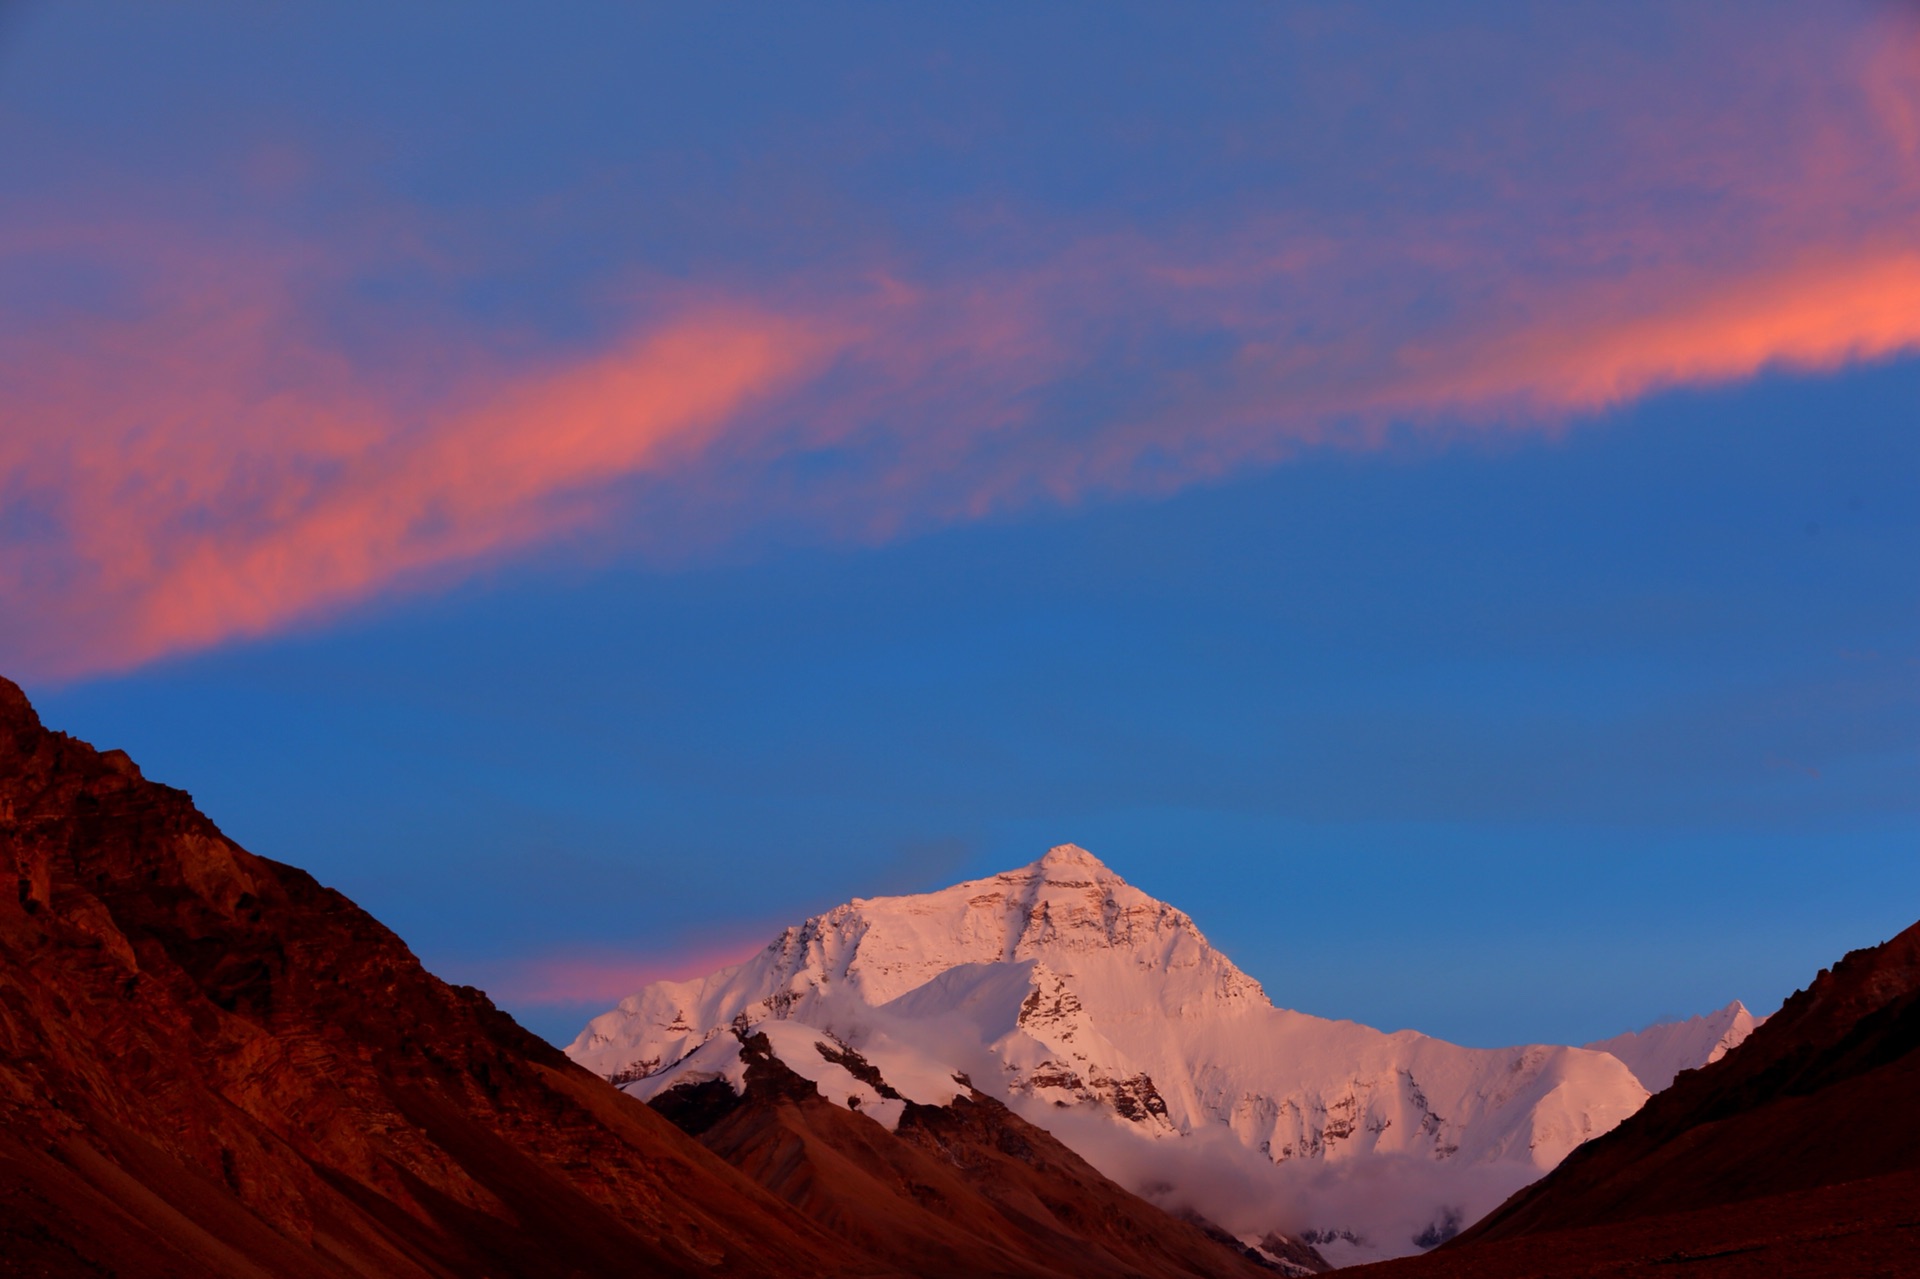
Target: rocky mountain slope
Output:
[(213, 1068), (1105, 1016), (1796, 1154), (958, 1189)]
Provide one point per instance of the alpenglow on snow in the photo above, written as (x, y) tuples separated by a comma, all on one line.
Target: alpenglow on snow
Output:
[(1105, 1016)]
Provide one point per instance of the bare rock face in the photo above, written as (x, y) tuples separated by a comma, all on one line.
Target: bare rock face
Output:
[(210, 1065)]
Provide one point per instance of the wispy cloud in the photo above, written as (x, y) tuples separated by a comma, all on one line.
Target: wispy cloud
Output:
[(209, 469), (603, 976), (191, 455)]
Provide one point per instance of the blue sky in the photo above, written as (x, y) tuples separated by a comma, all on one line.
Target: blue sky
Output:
[(1432, 497)]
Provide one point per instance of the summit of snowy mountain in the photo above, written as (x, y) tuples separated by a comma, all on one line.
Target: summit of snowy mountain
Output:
[(1105, 1015), (1073, 855)]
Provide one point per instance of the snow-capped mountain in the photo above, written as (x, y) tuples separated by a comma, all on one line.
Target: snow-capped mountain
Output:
[(1105, 1016), (1660, 1052)]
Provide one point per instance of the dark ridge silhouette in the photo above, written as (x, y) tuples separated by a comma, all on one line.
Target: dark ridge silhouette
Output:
[(210, 1065)]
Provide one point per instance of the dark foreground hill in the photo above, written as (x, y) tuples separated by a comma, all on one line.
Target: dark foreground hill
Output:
[(955, 1192), (1796, 1154), (212, 1066)]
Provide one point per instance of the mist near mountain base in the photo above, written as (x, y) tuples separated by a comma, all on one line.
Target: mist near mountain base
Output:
[(1365, 1210)]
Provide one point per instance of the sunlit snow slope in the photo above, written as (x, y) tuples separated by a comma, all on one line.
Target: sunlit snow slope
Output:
[(1106, 1016), (1662, 1051)]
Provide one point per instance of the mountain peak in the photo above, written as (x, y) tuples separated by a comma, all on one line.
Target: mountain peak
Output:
[(1659, 1053), (1062, 856), (1073, 996)]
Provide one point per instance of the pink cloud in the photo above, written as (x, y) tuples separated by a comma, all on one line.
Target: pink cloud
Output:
[(1817, 316), (199, 459), (603, 975), (215, 472)]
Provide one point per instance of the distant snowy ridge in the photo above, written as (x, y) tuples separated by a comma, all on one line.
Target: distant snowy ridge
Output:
[(1659, 1053), (1104, 1015)]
